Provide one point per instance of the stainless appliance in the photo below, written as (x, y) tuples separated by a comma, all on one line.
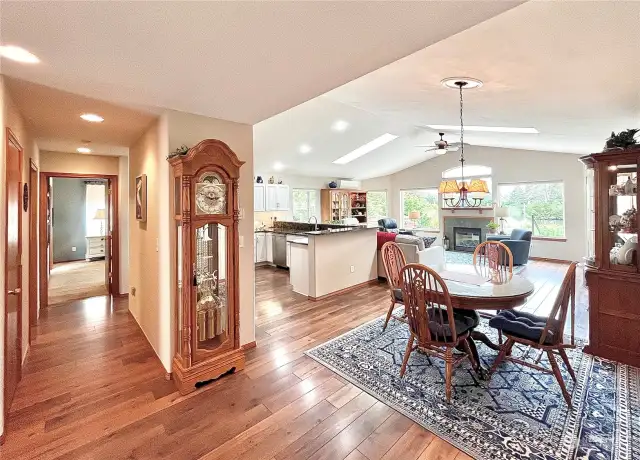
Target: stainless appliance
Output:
[(280, 250)]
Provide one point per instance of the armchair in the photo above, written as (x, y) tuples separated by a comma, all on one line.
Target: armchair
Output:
[(387, 224), (519, 242)]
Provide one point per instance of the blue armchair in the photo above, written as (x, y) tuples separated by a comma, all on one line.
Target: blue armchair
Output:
[(519, 242), (387, 224)]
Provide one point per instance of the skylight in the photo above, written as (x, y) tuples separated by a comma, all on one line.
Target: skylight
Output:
[(366, 148), (487, 129)]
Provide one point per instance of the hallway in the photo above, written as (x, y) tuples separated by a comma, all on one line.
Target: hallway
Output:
[(76, 280)]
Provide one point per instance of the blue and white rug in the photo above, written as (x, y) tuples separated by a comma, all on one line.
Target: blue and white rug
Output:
[(519, 414)]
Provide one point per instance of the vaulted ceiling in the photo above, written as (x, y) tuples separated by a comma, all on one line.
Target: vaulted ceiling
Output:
[(569, 69)]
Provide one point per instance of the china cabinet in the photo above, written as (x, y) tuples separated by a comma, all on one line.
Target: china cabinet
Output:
[(206, 214), (612, 272)]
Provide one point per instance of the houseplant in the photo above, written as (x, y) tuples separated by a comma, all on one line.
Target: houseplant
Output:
[(492, 227), (622, 140)]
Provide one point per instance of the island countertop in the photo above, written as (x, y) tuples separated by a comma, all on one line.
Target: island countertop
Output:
[(330, 231)]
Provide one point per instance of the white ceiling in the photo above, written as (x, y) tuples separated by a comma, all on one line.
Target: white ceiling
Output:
[(239, 61), (568, 69)]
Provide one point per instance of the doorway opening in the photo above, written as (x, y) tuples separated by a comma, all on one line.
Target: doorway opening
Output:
[(79, 249)]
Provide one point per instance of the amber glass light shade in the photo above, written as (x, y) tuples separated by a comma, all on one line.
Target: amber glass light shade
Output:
[(478, 186), (414, 215), (449, 186)]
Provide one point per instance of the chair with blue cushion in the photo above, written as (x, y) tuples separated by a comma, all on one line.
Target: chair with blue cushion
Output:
[(433, 326), (387, 224), (544, 334), (519, 242)]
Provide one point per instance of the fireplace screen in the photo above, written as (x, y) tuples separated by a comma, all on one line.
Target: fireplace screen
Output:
[(466, 239)]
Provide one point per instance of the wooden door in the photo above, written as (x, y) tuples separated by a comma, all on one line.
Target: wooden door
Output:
[(13, 271)]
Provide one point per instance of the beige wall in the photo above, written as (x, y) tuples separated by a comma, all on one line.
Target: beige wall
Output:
[(509, 166), (11, 118), (190, 129), (332, 256), (76, 163), (148, 277)]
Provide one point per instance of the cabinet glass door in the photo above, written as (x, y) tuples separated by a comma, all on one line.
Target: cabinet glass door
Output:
[(210, 267), (623, 222)]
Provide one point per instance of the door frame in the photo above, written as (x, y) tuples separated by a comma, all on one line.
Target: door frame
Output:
[(12, 139), (33, 248), (112, 180)]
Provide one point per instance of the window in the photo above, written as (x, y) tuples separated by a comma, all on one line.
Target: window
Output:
[(305, 204), (473, 172), (376, 207), (424, 201), (538, 207)]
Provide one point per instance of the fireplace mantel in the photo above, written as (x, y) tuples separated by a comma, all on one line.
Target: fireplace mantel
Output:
[(467, 210)]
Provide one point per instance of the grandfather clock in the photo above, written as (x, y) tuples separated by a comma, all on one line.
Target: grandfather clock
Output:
[(205, 203)]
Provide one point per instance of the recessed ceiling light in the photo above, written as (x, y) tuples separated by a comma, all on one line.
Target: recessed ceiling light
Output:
[(83, 150), (487, 129), (15, 53), (92, 117), (277, 166), (366, 148), (340, 125), (305, 148)]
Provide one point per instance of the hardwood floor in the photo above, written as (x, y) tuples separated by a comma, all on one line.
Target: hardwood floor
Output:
[(93, 387)]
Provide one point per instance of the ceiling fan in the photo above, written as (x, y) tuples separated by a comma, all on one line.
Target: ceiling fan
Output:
[(440, 147)]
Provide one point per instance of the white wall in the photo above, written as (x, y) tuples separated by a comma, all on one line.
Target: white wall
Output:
[(509, 166), (123, 217)]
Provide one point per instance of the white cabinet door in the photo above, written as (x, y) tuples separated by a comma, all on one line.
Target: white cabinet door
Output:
[(259, 200), (268, 241), (283, 197), (261, 248), (272, 197), (288, 254)]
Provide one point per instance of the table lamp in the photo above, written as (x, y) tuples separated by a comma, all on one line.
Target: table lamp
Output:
[(414, 216), (501, 212), (101, 215)]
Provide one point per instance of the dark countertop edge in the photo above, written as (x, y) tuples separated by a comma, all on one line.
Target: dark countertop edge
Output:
[(311, 233)]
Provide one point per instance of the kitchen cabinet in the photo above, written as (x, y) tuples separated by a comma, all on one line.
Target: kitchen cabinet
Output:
[(260, 247), (268, 241), (259, 198), (277, 197)]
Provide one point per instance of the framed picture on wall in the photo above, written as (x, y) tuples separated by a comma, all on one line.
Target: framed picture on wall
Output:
[(141, 198)]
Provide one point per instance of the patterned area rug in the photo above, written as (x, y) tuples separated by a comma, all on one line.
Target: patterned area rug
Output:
[(519, 414)]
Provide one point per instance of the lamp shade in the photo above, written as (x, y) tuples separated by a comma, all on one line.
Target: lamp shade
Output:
[(478, 186), (501, 211), (101, 213), (414, 215), (449, 186)]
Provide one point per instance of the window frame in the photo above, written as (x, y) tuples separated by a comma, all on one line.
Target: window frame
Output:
[(562, 238), (309, 202), (438, 207), (386, 205)]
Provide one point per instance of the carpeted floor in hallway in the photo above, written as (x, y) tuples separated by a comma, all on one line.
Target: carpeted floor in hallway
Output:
[(76, 280)]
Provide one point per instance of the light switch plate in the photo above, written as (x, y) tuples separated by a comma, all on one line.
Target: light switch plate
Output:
[(241, 241)]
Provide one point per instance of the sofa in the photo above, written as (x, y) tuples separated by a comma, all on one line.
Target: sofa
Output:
[(387, 224), (519, 242), (413, 249)]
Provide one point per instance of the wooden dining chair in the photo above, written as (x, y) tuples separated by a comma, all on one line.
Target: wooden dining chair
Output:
[(494, 255), (394, 261), (433, 327), (544, 334)]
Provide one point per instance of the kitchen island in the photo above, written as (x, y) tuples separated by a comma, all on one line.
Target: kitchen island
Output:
[(325, 263)]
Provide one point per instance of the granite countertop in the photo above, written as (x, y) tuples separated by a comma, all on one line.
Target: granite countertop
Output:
[(331, 231)]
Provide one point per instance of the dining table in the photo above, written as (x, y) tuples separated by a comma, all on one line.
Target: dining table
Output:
[(473, 287)]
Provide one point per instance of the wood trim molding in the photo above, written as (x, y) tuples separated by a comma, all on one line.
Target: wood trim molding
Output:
[(342, 291), (546, 238), (555, 261), (34, 183), (3, 436), (249, 346), (115, 240)]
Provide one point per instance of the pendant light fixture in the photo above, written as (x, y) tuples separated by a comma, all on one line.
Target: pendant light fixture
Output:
[(457, 194)]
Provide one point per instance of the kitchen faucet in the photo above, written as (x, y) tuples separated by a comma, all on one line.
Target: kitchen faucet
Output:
[(316, 222)]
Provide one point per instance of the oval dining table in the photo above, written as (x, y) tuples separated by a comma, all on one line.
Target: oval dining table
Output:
[(477, 288)]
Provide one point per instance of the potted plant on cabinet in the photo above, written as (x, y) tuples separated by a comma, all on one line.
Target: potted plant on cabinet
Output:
[(492, 227)]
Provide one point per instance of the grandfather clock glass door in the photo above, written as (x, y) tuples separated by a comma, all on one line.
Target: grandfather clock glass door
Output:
[(212, 311)]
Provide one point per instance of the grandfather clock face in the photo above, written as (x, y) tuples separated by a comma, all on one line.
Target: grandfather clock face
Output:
[(211, 195)]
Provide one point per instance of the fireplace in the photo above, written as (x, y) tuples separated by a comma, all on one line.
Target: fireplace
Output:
[(466, 238)]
